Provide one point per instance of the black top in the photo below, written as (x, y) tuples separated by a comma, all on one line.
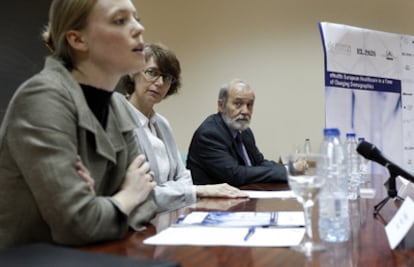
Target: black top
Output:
[(98, 101)]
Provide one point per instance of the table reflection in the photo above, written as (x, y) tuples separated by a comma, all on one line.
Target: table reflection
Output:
[(367, 246)]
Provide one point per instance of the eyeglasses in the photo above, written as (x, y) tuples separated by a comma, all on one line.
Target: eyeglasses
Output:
[(152, 75)]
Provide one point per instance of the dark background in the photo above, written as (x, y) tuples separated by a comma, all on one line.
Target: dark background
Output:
[(22, 51)]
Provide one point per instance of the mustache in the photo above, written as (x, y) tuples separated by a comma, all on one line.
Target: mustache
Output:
[(241, 117)]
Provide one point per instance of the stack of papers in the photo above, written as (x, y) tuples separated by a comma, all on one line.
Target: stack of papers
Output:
[(243, 219), (259, 229)]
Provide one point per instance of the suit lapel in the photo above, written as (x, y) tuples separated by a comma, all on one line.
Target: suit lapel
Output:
[(107, 142), (120, 121), (110, 141), (231, 136)]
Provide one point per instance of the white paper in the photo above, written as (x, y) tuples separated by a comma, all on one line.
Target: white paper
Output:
[(405, 188), (401, 223), (227, 236), (243, 218), (269, 194), (291, 218)]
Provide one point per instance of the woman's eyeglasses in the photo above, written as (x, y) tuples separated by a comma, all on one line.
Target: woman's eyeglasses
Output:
[(152, 75)]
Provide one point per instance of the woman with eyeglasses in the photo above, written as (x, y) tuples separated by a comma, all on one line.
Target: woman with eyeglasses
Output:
[(160, 79)]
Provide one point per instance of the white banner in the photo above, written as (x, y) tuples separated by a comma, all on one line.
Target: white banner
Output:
[(369, 87)]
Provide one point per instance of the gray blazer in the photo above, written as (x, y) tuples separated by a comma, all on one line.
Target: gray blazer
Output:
[(42, 197), (177, 190)]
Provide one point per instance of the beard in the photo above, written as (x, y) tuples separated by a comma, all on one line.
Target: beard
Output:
[(235, 123)]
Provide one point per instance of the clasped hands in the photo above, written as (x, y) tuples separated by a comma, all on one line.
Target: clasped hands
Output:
[(139, 182), (135, 188)]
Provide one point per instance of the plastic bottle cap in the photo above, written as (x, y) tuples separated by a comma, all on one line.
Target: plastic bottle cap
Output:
[(331, 132), (350, 135)]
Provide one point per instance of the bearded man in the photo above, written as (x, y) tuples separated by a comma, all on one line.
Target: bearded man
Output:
[(223, 148)]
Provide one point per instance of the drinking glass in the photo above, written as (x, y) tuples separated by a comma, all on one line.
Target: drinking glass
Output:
[(305, 183)]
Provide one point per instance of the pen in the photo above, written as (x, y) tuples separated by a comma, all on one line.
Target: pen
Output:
[(180, 219), (273, 218), (250, 232)]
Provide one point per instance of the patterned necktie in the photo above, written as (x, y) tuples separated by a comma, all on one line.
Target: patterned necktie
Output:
[(242, 150)]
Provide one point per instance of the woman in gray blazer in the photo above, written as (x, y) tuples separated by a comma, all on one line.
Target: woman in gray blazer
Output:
[(160, 79), (69, 111)]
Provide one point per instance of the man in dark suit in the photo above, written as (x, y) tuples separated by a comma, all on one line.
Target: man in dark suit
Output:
[(223, 148)]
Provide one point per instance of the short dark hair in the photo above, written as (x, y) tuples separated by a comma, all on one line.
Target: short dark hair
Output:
[(167, 63)]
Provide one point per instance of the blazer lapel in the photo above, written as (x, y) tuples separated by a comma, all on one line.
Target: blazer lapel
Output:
[(120, 121), (232, 137), (162, 133), (110, 141), (148, 151), (144, 142), (107, 142)]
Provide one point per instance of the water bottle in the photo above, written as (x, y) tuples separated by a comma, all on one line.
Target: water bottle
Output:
[(352, 165), (334, 225), (363, 165), (307, 148)]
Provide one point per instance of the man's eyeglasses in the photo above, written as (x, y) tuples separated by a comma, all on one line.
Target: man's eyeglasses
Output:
[(152, 75)]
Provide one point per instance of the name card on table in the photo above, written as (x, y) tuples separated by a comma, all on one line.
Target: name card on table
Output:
[(401, 223)]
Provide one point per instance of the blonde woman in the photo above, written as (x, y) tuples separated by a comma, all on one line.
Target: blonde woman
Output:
[(67, 114)]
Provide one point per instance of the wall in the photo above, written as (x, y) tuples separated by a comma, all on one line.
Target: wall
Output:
[(273, 45), (21, 48)]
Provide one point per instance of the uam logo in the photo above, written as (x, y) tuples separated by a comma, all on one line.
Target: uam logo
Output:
[(339, 48), (389, 55)]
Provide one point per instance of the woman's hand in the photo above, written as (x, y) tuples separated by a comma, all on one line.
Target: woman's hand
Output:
[(219, 190), (85, 175), (137, 185)]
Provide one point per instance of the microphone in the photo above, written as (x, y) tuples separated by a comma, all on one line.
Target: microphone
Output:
[(371, 152)]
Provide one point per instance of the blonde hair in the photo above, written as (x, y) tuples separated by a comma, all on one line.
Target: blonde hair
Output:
[(65, 15)]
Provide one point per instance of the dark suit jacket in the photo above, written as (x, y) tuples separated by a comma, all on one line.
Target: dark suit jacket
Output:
[(213, 157)]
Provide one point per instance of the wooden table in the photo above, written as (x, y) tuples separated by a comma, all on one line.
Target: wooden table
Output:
[(368, 245)]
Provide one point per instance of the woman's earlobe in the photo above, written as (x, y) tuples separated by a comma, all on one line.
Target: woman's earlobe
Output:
[(75, 40)]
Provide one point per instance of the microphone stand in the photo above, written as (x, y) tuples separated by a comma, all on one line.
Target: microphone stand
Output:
[(392, 192)]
